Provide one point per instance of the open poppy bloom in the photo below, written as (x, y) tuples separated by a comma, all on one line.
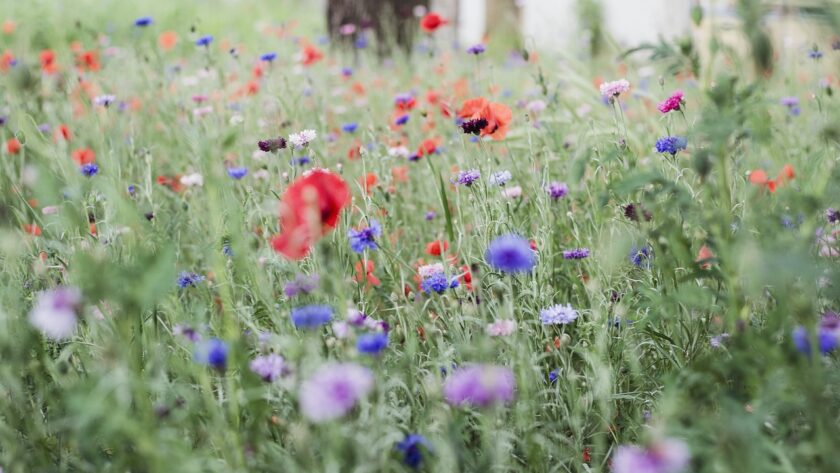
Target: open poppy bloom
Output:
[(495, 117), (83, 156), (437, 247), (310, 54), (366, 275), (88, 61), (47, 57), (309, 210), (13, 146), (760, 178), (432, 21), (703, 257)]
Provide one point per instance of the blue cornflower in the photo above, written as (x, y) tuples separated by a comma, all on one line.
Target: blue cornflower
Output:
[(268, 57), (815, 53), (204, 40), (187, 279), (577, 253), (361, 42), (410, 448), (365, 238), (301, 160), (237, 173), (437, 282), (466, 178), (552, 375), (828, 335), (89, 169), (143, 21), (557, 190), (401, 120), (641, 256), (349, 127), (311, 316), (226, 250), (213, 353), (476, 49), (372, 343), (500, 178), (132, 190), (511, 254), (671, 144)]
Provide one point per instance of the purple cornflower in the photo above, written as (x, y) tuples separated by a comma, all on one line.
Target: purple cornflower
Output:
[(302, 284), (269, 367), (349, 127), (89, 169), (372, 343), (832, 215), (333, 390), (430, 215), (815, 53), (792, 103), (410, 448), (828, 335), (401, 120), (213, 353), (577, 253), (437, 282), (187, 279), (476, 49), (474, 126), (468, 177), (187, 332), (268, 57), (272, 144), (558, 315), (511, 254), (631, 212), (671, 144), (553, 375), (238, 172), (311, 316), (364, 238), (663, 456), (718, 340), (143, 21), (204, 40), (301, 160), (54, 312), (480, 386), (557, 190)]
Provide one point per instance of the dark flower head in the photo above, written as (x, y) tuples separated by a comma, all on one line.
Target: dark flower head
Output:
[(631, 212), (410, 448), (468, 177), (272, 144), (143, 21), (557, 190), (476, 49), (832, 215), (474, 126)]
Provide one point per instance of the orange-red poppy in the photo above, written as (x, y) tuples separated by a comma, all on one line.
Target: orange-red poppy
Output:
[(13, 146), (167, 40), (366, 275), (497, 115), (432, 21), (83, 156)]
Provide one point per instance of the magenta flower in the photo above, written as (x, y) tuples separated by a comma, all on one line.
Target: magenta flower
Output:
[(674, 102), (663, 456), (334, 390), (480, 386), (614, 88)]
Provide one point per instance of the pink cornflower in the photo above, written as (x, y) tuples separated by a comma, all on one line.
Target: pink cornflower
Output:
[(674, 102), (334, 390), (614, 88), (501, 328), (480, 386)]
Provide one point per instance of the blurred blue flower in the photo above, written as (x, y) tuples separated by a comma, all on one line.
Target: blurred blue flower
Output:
[(311, 316), (238, 172), (364, 238), (268, 57), (89, 169), (213, 353), (188, 279), (372, 343), (143, 21), (511, 254), (204, 40), (410, 448), (349, 127)]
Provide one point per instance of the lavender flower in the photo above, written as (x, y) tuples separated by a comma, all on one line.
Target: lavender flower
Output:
[(501, 328), (558, 315), (480, 386), (269, 367), (54, 312), (557, 190), (333, 390), (301, 284), (832, 215), (664, 456), (476, 49), (500, 178), (468, 177), (577, 253)]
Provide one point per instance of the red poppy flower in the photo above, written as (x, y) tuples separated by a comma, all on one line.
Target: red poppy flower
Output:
[(167, 40), (432, 21), (84, 156), (32, 229), (466, 277), (88, 60), (310, 54), (497, 115), (367, 274), (400, 173), (6, 60), (310, 208), (760, 178), (47, 57), (13, 146), (437, 247), (63, 132), (703, 257), (428, 146), (368, 181), (173, 183)]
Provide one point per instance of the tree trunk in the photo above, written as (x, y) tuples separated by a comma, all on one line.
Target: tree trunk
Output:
[(392, 22)]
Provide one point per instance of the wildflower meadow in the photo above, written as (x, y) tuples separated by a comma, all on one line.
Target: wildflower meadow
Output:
[(233, 243)]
